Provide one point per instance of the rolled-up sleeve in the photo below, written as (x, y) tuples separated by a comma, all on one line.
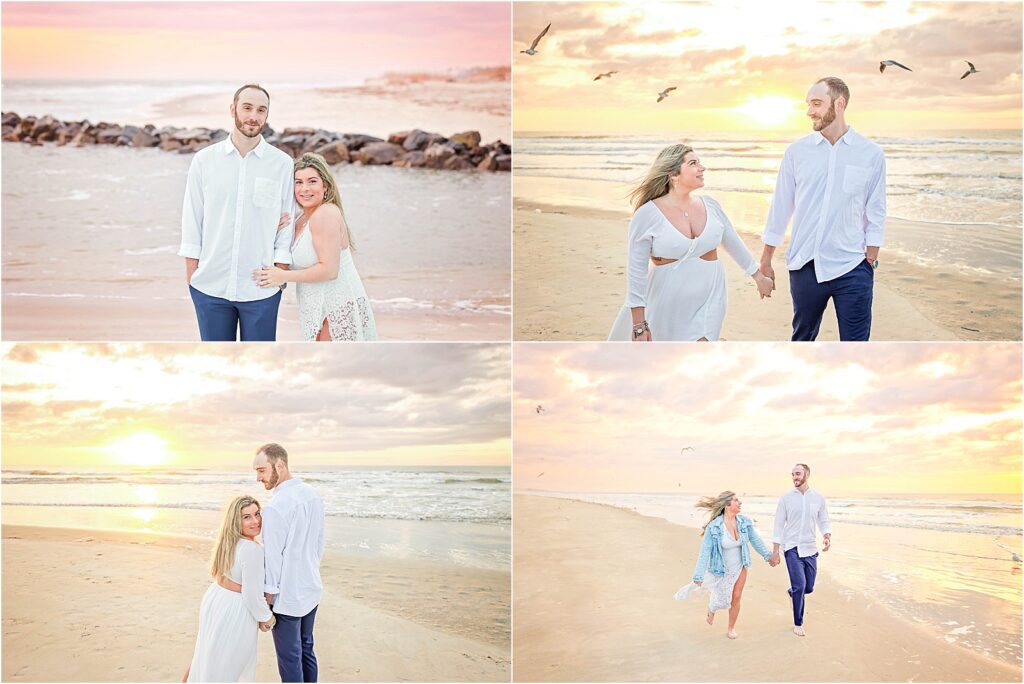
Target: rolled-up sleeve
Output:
[(639, 253), (275, 537), (874, 211), (252, 581), (823, 523), (779, 531), (283, 242), (783, 202), (192, 212)]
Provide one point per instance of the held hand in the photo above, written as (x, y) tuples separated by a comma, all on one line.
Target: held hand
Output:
[(828, 543), (269, 598), (767, 271), (774, 560), (699, 583), (269, 277), (765, 285), (644, 337)]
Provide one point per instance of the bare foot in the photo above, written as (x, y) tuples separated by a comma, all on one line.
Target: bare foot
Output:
[(799, 631), (732, 634), (711, 618)]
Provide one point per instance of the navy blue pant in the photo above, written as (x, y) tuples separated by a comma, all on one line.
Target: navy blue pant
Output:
[(220, 319), (802, 572), (293, 641), (851, 295)]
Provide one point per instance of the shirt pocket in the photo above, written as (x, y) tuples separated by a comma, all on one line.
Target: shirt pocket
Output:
[(855, 179), (266, 193)]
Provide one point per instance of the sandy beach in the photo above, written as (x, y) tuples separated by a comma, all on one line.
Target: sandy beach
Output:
[(593, 590), (125, 607), (569, 284)]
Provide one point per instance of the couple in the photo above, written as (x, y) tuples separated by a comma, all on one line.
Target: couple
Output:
[(831, 183), (270, 587), (242, 243), (724, 552)]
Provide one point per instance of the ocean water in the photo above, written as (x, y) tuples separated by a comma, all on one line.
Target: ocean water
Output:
[(937, 561), (454, 514), (940, 182)]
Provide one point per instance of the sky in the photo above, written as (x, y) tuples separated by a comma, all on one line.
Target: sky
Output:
[(876, 419), (191, 405), (298, 43), (747, 66)]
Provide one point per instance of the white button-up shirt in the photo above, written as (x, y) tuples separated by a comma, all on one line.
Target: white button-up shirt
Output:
[(230, 215), (835, 195), (795, 519), (293, 544)]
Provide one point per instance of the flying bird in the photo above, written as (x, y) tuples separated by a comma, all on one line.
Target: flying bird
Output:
[(664, 93), (542, 474), (685, 449), (968, 73), (890, 62), (539, 408), (607, 74), (532, 50)]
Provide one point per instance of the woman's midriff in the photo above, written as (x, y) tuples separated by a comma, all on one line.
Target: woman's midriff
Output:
[(663, 261)]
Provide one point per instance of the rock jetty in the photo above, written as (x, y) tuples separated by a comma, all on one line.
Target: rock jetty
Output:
[(415, 148)]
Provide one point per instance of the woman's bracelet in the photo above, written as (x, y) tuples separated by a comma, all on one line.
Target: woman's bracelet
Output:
[(640, 328)]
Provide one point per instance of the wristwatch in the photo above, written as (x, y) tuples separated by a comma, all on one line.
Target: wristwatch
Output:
[(639, 329), (873, 262)]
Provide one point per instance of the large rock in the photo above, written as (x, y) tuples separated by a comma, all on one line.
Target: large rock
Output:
[(316, 141), (355, 141), (489, 163), (414, 159), (170, 144), (191, 134), (145, 139), (437, 154), (297, 131), (398, 138), (10, 119), (334, 153), (46, 126), (85, 136), (109, 136), (458, 164), (378, 153), (471, 139), (504, 162), (420, 140)]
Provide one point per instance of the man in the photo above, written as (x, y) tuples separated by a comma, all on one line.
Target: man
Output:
[(798, 512), (237, 190), (832, 183), (293, 543)]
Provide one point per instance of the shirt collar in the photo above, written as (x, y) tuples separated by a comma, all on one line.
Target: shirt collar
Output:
[(287, 484), (846, 138), (260, 148)]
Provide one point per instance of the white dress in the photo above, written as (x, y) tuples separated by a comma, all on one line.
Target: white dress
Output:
[(720, 586), (228, 629), (342, 302), (686, 299)]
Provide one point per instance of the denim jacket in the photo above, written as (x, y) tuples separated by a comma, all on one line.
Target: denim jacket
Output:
[(710, 558)]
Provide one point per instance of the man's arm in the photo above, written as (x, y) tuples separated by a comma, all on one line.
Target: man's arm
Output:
[(192, 220), (283, 241), (779, 530), (824, 525), (781, 210), (275, 534), (874, 233)]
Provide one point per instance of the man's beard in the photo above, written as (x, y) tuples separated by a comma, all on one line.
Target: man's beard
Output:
[(274, 479), (828, 118), (239, 126)]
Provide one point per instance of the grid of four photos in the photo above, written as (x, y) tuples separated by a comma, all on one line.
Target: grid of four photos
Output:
[(681, 341)]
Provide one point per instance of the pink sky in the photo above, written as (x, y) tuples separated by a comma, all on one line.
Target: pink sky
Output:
[(306, 42)]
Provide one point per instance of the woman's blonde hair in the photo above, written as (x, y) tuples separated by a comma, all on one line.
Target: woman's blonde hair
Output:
[(230, 534), (655, 183), (716, 505), (332, 195)]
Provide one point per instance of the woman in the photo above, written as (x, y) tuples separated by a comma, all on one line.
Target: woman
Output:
[(683, 296), (725, 554), (229, 621), (332, 302)]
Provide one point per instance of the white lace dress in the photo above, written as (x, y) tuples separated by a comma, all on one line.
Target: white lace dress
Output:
[(228, 622), (342, 302), (720, 586)]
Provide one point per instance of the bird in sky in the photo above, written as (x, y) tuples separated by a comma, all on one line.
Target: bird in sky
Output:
[(685, 449), (532, 50), (542, 474), (607, 74), (890, 62), (664, 93), (539, 409), (968, 73)]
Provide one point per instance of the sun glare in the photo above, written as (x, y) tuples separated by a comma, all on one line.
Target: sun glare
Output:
[(142, 449), (771, 110)]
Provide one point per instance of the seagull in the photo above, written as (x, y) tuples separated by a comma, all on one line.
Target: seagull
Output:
[(542, 474), (607, 74), (664, 93), (539, 408), (532, 50), (890, 62), (968, 73), (1016, 558), (685, 449)]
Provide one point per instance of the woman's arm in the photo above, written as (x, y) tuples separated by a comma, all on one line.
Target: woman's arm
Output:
[(252, 581), (638, 252), (757, 542), (703, 558), (330, 235), (733, 244)]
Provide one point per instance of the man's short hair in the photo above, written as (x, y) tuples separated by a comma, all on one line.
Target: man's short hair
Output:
[(255, 86), (807, 468), (274, 453), (836, 88)]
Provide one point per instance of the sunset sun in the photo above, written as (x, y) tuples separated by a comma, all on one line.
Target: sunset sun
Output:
[(142, 449), (770, 110)]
